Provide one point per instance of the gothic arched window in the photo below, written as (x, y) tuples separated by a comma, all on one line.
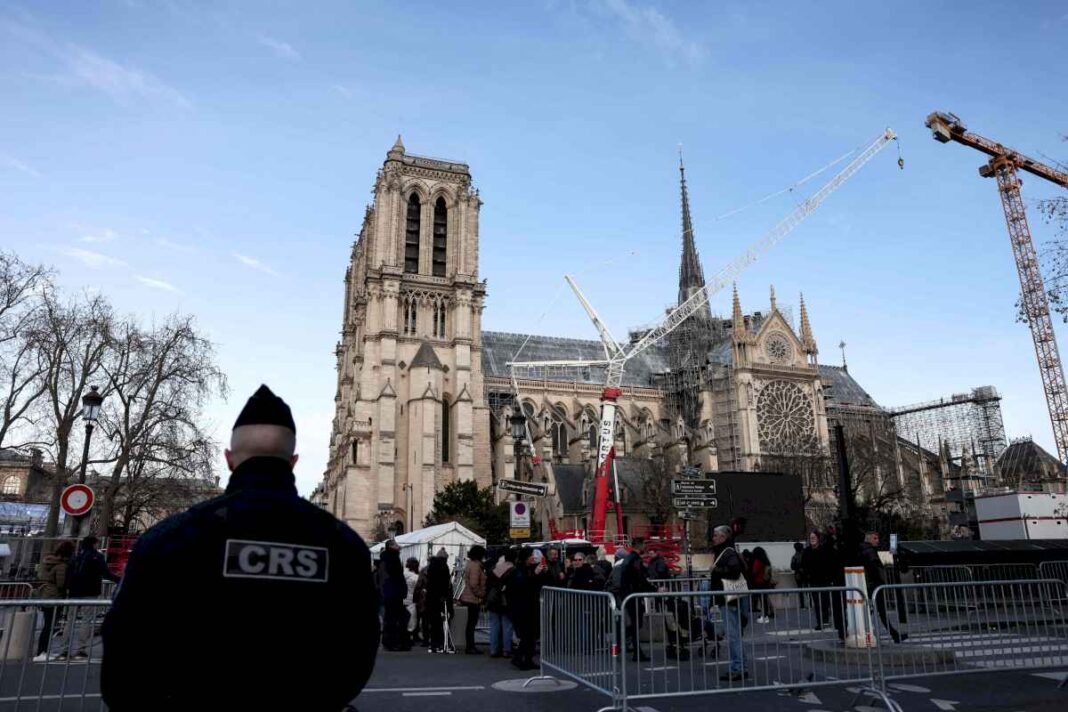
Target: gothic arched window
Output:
[(411, 235), (441, 230), (12, 485), (559, 435)]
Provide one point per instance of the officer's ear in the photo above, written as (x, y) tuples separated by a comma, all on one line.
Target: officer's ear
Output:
[(229, 459), (293, 461)]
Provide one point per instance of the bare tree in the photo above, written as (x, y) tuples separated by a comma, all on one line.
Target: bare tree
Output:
[(21, 365), (73, 338), (660, 469), (176, 475), (158, 381)]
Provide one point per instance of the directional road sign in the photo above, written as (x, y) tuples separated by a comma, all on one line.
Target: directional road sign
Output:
[(686, 488), (535, 489), (694, 502)]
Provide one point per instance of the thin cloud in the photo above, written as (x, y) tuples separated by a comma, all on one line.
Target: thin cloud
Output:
[(254, 264), (92, 260), (99, 237), (18, 165), (649, 26), (157, 284), (172, 245), (282, 50), (342, 90), (83, 67), (117, 81)]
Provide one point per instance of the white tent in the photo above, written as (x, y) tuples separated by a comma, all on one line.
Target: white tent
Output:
[(421, 544)]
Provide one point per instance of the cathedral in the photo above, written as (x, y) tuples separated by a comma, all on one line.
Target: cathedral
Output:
[(424, 395)]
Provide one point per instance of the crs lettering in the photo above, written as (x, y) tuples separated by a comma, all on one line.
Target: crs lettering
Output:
[(276, 561)]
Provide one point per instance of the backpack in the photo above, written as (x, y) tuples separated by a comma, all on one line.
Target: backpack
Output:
[(497, 595)]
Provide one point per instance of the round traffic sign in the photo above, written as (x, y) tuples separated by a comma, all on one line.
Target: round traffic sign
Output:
[(520, 508), (77, 500)]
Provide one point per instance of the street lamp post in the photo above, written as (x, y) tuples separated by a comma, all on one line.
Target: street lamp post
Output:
[(518, 422), (91, 403)]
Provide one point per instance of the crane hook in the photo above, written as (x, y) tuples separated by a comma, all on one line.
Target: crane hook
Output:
[(900, 160)]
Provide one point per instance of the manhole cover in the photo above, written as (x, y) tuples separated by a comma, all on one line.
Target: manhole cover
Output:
[(539, 685)]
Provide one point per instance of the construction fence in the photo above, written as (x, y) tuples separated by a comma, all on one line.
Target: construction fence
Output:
[(689, 643)]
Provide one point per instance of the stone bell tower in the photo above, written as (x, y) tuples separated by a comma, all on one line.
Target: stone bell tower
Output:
[(410, 405)]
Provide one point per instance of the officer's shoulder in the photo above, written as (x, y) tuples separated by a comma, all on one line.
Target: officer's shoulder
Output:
[(344, 534), (178, 527)]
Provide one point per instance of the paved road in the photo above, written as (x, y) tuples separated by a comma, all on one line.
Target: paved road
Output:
[(416, 682)]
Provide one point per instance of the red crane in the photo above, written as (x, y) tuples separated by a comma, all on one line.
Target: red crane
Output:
[(1003, 165)]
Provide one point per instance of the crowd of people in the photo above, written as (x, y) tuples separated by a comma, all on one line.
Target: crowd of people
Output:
[(418, 602)]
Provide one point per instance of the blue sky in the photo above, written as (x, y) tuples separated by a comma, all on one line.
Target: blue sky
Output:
[(216, 158)]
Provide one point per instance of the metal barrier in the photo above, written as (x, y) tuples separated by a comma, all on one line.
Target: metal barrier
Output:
[(681, 585), (966, 627), (579, 638), (50, 652), (15, 590), (1004, 572), (1054, 570), (941, 574), (669, 649)]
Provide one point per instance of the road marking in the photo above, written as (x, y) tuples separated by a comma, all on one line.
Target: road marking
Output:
[(771, 657), (661, 668), (426, 694), (421, 689), (809, 698), (909, 688), (945, 705)]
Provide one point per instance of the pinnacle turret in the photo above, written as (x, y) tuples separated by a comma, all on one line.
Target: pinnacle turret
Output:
[(808, 341)]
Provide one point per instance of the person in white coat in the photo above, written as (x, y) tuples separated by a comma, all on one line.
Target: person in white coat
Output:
[(411, 577)]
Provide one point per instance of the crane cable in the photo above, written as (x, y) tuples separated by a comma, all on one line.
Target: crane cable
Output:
[(788, 189)]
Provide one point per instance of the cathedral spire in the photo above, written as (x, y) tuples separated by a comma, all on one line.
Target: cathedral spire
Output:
[(773, 305), (691, 276), (808, 341)]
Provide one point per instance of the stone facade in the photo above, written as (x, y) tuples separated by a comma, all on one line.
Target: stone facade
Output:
[(409, 389)]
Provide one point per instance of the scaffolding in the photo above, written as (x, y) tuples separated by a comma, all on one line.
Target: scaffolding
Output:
[(970, 424)]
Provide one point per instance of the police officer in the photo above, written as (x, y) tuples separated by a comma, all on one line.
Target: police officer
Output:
[(255, 600)]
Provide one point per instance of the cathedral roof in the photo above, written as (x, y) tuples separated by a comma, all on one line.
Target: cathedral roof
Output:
[(570, 479), (840, 388), (498, 348), (1027, 461)]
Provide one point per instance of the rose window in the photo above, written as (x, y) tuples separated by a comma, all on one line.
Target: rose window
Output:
[(786, 418)]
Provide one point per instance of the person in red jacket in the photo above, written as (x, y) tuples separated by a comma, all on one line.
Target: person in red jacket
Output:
[(762, 580)]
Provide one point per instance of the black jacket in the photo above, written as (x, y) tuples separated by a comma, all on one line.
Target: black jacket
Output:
[(85, 574), (818, 564), (586, 578), (873, 567), (635, 579), (729, 565), (254, 600), (438, 586)]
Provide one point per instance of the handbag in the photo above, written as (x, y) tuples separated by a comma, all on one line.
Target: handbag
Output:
[(732, 587)]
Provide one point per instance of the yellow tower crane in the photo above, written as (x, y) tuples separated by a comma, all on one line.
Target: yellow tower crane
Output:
[(1003, 165)]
